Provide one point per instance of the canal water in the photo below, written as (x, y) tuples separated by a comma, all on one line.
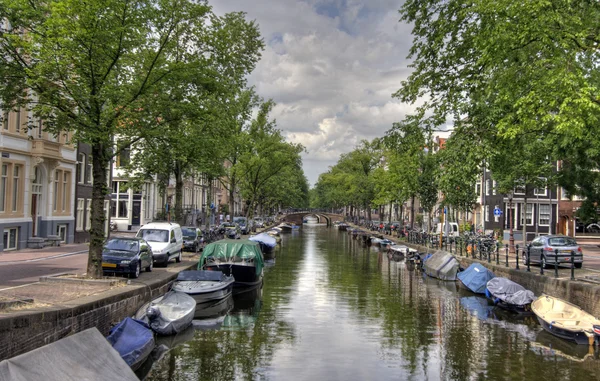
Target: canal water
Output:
[(333, 309)]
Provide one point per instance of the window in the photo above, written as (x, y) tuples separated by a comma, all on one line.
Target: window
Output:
[(494, 187), (15, 187), (3, 184), (487, 187), (508, 215), (541, 191), (544, 214), (120, 199), (528, 215), (80, 208), (18, 121), (122, 208), (65, 192), (88, 215), (62, 194), (90, 171), (81, 169), (5, 121), (61, 231), (519, 189), (487, 213), (10, 238), (123, 154)]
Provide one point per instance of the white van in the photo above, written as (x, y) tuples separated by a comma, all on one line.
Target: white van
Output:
[(452, 229), (165, 240)]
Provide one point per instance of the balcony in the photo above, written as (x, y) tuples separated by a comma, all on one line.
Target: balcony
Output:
[(46, 149)]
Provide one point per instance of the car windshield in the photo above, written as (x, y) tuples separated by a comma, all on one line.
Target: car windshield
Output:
[(562, 241), (154, 235), (188, 233), (122, 245)]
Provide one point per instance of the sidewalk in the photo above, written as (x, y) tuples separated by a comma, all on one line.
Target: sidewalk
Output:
[(29, 255)]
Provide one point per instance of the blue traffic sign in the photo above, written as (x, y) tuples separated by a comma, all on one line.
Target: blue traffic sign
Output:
[(497, 212)]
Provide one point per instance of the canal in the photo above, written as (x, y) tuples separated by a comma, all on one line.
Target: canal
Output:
[(332, 309)]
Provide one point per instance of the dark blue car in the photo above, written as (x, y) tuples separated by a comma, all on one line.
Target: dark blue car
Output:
[(126, 256)]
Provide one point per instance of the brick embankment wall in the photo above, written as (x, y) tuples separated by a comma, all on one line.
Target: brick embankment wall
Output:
[(23, 331), (583, 294)]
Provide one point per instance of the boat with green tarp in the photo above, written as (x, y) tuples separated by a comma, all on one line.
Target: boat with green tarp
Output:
[(240, 258)]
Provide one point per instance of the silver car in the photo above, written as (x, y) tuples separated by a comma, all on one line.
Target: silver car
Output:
[(548, 245)]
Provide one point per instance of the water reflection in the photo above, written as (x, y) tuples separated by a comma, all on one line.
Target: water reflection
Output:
[(334, 308)]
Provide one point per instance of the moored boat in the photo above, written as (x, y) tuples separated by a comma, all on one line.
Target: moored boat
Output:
[(285, 227), (475, 277), (168, 314), (85, 355), (240, 258), (203, 285), (267, 244), (385, 243), (134, 341), (566, 320), (441, 265), (509, 295)]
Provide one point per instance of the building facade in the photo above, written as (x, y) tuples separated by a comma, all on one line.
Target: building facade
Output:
[(37, 182)]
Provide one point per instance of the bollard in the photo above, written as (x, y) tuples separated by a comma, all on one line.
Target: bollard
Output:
[(517, 255), (497, 253), (528, 256), (507, 255), (542, 260), (556, 263), (489, 252), (479, 248), (460, 245), (572, 265)]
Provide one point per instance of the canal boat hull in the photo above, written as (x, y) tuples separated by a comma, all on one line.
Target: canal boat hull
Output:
[(565, 320)]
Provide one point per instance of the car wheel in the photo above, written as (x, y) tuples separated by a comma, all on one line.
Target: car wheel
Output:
[(150, 266), (543, 263), (178, 258), (138, 270), (578, 265)]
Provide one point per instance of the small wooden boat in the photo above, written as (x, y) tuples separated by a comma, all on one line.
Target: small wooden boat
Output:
[(204, 286), (133, 340), (509, 295), (168, 314), (566, 320)]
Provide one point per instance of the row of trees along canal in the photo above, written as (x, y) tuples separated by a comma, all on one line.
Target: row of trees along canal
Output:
[(166, 79), (521, 86)]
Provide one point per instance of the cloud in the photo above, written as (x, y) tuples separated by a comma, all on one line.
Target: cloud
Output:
[(331, 67)]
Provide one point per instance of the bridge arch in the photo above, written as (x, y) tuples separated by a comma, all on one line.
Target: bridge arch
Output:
[(298, 216)]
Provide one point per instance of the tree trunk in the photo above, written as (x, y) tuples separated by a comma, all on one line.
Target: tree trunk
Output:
[(412, 212), (524, 215), (100, 162), (231, 200), (390, 215), (368, 213)]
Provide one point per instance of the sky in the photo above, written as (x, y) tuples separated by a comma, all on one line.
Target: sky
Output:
[(331, 66)]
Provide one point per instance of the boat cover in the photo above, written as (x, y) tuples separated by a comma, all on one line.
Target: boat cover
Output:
[(85, 355), (441, 265), (132, 339), (171, 313), (476, 277), (233, 250), (201, 275), (265, 239), (509, 291)]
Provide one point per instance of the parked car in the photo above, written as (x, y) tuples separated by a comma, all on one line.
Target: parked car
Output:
[(244, 223), (452, 229), (259, 222), (165, 240), (126, 256), (548, 244), (192, 238), (231, 230)]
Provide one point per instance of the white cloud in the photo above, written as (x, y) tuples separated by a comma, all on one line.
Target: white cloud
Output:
[(331, 67)]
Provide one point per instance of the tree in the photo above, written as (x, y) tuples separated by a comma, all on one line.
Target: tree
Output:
[(521, 69), (89, 67)]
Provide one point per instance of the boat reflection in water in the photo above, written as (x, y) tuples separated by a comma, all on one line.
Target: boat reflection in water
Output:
[(549, 345)]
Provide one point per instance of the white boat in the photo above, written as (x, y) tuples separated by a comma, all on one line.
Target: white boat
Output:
[(203, 285), (168, 314), (566, 320)]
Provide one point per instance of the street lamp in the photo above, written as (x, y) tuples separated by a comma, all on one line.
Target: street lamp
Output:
[(511, 238)]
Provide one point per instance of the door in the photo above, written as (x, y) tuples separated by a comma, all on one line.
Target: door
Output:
[(34, 224), (36, 194), (136, 212)]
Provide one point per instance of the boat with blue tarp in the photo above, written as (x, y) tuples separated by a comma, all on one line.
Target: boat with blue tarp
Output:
[(475, 277)]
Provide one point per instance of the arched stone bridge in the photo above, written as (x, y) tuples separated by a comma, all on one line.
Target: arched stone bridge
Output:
[(322, 217)]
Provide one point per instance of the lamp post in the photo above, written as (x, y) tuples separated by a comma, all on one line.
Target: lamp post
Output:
[(511, 238)]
